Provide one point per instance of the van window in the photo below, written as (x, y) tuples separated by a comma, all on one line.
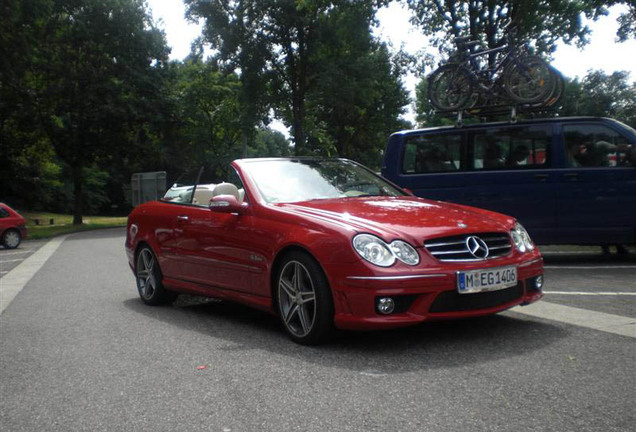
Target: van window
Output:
[(511, 148), (432, 153), (594, 146)]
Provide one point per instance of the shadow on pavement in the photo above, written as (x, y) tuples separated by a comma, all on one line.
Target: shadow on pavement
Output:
[(423, 347)]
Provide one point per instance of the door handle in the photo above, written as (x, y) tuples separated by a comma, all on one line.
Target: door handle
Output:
[(183, 218), (571, 176), (541, 177)]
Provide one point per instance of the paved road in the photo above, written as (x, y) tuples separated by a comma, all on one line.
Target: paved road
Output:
[(79, 351)]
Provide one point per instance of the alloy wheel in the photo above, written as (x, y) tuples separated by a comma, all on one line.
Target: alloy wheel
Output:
[(146, 279), (297, 299)]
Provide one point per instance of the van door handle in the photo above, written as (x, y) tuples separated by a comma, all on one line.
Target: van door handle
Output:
[(541, 177), (571, 176)]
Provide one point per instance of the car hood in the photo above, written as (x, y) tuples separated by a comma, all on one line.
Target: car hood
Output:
[(410, 218)]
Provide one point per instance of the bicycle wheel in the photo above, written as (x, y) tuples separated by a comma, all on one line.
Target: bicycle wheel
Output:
[(529, 80), (449, 87), (559, 88)]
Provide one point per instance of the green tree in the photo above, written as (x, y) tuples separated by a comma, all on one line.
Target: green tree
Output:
[(208, 116), (602, 95), (269, 143), (99, 75), (29, 173), (295, 29), (485, 20), (627, 24), (234, 28), (358, 94)]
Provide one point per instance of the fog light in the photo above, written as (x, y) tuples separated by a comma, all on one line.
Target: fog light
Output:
[(385, 305), (538, 282)]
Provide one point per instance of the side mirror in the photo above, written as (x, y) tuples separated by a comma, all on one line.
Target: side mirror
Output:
[(227, 204)]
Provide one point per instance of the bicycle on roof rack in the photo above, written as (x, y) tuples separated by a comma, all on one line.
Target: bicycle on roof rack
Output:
[(513, 78)]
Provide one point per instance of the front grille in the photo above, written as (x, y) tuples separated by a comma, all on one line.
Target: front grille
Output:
[(452, 301), (455, 248)]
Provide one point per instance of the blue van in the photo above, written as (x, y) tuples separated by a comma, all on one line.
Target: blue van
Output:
[(569, 180)]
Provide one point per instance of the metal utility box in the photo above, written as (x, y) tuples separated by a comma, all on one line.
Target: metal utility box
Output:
[(148, 186)]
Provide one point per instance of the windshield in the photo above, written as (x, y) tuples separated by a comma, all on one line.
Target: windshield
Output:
[(309, 179)]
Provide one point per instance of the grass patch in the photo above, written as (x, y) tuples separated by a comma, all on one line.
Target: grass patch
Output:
[(63, 224)]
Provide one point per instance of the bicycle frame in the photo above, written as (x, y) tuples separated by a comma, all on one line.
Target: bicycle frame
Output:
[(478, 74)]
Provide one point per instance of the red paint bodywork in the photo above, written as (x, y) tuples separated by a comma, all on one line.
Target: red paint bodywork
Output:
[(13, 221), (233, 256)]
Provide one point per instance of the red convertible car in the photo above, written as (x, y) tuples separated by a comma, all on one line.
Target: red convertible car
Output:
[(326, 243)]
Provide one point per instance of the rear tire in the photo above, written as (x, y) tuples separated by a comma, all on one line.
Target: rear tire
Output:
[(11, 238), (149, 279), (529, 80), (303, 299)]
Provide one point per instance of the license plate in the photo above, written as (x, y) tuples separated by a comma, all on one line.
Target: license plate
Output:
[(486, 280)]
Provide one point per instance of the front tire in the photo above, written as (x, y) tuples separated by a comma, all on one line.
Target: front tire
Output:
[(149, 284), (450, 88), (11, 238), (303, 299)]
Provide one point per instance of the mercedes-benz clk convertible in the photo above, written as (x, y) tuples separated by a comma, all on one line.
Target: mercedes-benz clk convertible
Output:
[(325, 244)]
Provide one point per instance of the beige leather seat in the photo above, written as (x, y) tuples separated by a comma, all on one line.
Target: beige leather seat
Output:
[(203, 195), (226, 189)]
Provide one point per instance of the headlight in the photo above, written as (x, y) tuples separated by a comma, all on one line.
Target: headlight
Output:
[(405, 252), (376, 251), (521, 239)]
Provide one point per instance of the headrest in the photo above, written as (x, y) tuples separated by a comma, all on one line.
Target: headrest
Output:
[(226, 189)]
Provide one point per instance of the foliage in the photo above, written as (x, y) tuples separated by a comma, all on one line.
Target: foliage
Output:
[(234, 29), (602, 95), (627, 24), (89, 80), (485, 20), (269, 143), (208, 116), (312, 53)]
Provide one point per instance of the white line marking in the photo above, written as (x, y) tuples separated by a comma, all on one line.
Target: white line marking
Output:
[(604, 322), (373, 374), (16, 253), (12, 283), (570, 253), (589, 267), (584, 293), (8, 261)]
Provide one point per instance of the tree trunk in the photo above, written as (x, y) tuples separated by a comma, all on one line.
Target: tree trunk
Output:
[(77, 191), (299, 117), (244, 140)]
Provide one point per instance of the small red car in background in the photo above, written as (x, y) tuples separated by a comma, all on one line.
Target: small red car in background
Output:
[(326, 243), (12, 227)]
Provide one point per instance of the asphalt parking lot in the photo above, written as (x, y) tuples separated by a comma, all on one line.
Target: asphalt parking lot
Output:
[(11, 258), (587, 279), (79, 351)]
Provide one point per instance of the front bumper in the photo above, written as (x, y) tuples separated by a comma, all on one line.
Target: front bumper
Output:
[(427, 296)]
